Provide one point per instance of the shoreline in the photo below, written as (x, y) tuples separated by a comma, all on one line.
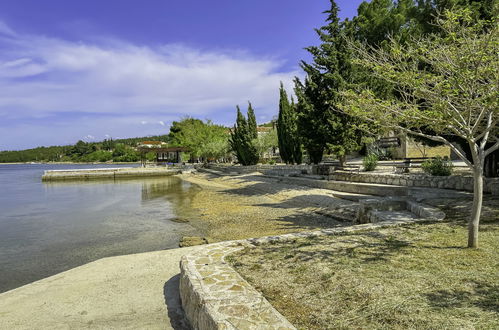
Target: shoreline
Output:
[(70, 163)]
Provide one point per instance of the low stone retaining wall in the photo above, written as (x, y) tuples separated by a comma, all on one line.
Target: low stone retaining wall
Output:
[(215, 296), (349, 187), (455, 182), (106, 173), (372, 210), (283, 170)]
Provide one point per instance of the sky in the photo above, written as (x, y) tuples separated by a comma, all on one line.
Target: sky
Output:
[(93, 69)]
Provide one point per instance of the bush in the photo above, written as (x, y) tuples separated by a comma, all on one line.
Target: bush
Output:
[(380, 152), (438, 167), (370, 162)]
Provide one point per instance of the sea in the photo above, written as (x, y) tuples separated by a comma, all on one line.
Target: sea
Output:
[(47, 228)]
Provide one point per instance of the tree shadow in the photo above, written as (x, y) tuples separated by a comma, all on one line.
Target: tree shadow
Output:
[(176, 314), (302, 221), (258, 184), (483, 296), (360, 246), (459, 210)]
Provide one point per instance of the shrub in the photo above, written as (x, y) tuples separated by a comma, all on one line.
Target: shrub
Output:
[(380, 152), (438, 167), (370, 162)]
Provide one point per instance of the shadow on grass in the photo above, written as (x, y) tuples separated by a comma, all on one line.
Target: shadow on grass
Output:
[(482, 295), (362, 246)]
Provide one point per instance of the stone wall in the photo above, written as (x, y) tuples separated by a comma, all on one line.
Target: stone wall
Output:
[(107, 173), (455, 182), (281, 170), (215, 296)]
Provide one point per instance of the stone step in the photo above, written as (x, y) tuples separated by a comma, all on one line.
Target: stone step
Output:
[(348, 187)]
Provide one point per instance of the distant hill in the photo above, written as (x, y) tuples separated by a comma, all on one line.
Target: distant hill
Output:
[(117, 150)]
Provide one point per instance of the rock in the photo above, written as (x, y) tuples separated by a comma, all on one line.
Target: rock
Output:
[(192, 241), (179, 220)]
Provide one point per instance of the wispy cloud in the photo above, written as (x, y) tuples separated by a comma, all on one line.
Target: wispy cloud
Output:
[(43, 77)]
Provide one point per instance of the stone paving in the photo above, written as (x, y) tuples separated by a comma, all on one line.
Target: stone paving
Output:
[(214, 296)]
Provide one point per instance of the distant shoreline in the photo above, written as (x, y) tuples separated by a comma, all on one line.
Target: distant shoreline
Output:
[(70, 163)]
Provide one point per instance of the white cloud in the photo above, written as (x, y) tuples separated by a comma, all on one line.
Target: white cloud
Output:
[(119, 82), (63, 76)]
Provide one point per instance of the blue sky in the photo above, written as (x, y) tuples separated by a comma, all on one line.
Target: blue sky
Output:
[(94, 69)]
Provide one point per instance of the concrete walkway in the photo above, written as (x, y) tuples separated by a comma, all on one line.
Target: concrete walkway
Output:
[(138, 291)]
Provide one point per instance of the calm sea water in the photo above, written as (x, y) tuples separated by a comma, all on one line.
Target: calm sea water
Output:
[(46, 228)]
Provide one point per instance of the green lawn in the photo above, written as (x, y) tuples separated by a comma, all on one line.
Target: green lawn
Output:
[(414, 277)]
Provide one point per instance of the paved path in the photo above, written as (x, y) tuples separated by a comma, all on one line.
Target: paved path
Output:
[(138, 291)]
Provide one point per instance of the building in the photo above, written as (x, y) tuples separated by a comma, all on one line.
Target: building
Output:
[(164, 153), (403, 146)]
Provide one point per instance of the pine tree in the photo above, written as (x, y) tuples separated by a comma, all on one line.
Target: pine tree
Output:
[(309, 122), (330, 72)]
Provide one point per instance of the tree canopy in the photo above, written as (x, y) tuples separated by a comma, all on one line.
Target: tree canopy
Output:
[(446, 84), (204, 140)]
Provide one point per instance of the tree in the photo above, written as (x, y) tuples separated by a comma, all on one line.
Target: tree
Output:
[(108, 144), (310, 121), (241, 141), (266, 142), (330, 73), (447, 83), (252, 122), (203, 139), (287, 130)]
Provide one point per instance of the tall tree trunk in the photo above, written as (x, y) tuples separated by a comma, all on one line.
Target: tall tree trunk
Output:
[(477, 205)]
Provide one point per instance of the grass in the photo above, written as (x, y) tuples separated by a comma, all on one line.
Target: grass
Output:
[(414, 277)]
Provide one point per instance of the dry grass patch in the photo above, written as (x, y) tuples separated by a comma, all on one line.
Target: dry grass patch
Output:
[(413, 277)]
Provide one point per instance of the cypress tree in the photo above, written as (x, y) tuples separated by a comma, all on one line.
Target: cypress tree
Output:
[(252, 122), (283, 135), (287, 134), (297, 152), (241, 141)]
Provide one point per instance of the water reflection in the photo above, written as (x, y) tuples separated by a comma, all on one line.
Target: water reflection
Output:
[(51, 227), (173, 189)]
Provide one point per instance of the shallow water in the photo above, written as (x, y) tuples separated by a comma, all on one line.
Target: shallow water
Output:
[(46, 228)]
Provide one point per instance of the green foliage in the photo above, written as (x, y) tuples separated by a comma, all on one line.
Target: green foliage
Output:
[(98, 156), (150, 156), (438, 167), (108, 144), (266, 142), (370, 162), (381, 153), (310, 120), (287, 130), (204, 140), (80, 152), (252, 122), (439, 80), (242, 140), (320, 122), (123, 153)]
